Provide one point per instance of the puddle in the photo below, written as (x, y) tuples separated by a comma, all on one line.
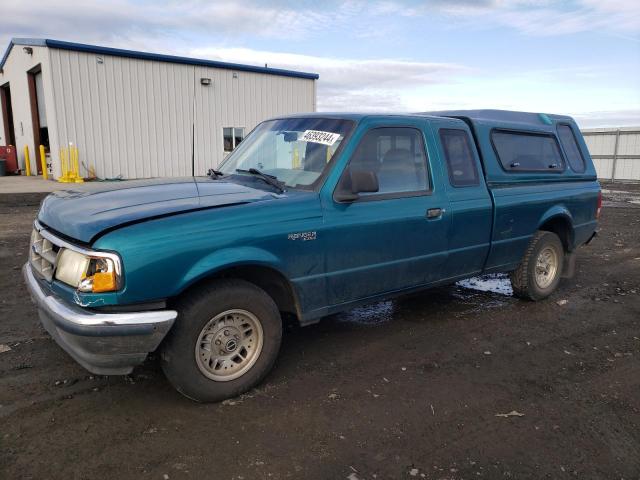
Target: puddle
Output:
[(374, 314), (467, 296), (496, 283)]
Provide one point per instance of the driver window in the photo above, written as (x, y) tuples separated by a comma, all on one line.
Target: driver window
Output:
[(397, 156)]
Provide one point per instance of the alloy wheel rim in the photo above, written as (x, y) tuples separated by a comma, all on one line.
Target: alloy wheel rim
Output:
[(229, 345), (546, 267)]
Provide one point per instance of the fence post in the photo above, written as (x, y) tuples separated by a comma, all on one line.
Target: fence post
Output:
[(615, 157)]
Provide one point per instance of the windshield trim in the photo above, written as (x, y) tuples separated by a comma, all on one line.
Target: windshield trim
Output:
[(318, 182)]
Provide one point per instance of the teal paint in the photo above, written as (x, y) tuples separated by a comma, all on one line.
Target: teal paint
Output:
[(173, 233)]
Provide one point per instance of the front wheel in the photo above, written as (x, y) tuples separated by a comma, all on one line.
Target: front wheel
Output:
[(538, 274), (224, 342)]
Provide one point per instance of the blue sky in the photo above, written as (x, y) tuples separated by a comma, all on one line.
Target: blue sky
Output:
[(579, 57)]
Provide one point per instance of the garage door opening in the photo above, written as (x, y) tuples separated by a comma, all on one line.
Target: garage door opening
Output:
[(7, 115), (38, 113)]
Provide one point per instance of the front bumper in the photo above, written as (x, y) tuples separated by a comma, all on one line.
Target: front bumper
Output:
[(103, 343)]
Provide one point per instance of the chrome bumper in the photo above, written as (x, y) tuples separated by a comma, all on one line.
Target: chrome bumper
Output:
[(103, 343)]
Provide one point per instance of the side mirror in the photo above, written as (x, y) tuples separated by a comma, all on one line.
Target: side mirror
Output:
[(362, 181)]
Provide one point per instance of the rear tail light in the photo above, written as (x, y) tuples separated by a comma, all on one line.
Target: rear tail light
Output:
[(599, 207)]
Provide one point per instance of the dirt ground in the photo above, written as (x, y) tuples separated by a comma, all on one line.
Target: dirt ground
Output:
[(410, 388)]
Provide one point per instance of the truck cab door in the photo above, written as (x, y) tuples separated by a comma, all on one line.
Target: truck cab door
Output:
[(470, 203), (392, 239)]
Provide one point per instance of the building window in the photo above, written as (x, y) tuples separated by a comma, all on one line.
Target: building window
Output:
[(461, 162), (232, 136)]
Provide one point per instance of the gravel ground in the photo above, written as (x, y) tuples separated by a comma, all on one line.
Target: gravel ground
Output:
[(410, 388)]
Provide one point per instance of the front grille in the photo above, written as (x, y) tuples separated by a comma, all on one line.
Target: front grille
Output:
[(43, 254)]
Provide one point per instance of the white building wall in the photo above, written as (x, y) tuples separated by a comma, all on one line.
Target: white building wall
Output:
[(128, 117), (15, 73), (241, 99), (141, 118), (621, 163)]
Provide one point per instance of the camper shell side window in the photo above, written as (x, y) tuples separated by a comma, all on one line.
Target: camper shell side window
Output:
[(522, 151)]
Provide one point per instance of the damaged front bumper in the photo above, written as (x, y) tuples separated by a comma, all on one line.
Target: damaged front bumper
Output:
[(103, 343)]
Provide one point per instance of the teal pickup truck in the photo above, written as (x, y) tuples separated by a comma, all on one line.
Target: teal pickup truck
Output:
[(310, 215)]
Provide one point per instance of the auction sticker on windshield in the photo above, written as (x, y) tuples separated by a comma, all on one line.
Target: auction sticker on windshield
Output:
[(318, 136)]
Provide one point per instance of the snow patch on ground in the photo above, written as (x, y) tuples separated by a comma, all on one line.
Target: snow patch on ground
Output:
[(611, 197), (494, 282)]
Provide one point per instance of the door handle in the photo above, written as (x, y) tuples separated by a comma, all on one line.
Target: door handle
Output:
[(434, 213)]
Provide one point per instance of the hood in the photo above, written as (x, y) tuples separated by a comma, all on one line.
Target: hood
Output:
[(85, 211)]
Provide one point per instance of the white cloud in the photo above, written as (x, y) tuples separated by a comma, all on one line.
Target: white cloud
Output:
[(609, 118), (350, 84), (546, 17), (118, 21), (393, 85), (386, 83), (128, 21)]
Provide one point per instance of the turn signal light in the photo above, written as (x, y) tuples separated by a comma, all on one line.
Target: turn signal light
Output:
[(103, 282), (599, 208)]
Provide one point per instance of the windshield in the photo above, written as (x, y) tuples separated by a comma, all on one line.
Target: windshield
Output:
[(294, 150)]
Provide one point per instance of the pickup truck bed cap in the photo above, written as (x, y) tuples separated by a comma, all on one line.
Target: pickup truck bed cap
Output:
[(474, 116), (501, 116)]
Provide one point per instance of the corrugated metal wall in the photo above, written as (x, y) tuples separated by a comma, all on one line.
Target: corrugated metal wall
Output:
[(141, 118), (128, 117), (241, 99), (615, 152)]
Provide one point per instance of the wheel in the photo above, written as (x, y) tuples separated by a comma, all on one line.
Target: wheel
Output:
[(224, 341), (539, 273)]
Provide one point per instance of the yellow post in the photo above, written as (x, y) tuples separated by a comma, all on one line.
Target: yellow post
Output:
[(296, 158), (27, 163), (43, 161), (64, 165), (70, 163), (76, 166)]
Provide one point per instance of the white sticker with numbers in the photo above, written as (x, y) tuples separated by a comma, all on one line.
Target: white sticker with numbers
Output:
[(318, 136)]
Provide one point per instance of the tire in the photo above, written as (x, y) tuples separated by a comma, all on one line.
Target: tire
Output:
[(546, 248), (209, 321)]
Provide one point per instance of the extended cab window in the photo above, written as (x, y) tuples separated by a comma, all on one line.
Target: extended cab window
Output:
[(460, 160), (523, 151), (571, 149), (397, 156)]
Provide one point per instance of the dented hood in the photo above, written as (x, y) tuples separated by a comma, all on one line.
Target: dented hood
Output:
[(84, 212)]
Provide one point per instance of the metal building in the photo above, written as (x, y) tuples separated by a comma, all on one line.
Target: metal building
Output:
[(615, 152), (136, 114)]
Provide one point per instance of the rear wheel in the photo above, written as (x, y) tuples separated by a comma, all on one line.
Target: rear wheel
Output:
[(225, 340), (538, 275)]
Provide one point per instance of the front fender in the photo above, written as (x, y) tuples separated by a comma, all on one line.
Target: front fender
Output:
[(227, 258)]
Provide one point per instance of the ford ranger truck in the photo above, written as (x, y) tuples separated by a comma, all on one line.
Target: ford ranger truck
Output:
[(310, 215)]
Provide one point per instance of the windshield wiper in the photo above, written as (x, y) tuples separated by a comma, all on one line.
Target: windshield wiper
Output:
[(214, 174), (270, 179)]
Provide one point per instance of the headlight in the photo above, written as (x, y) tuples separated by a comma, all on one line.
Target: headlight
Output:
[(95, 272)]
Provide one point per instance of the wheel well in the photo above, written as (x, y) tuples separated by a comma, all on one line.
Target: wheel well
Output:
[(561, 226), (271, 281)]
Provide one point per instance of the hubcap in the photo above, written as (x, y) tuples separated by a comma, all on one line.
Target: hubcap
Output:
[(546, 267), (229, 345)]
